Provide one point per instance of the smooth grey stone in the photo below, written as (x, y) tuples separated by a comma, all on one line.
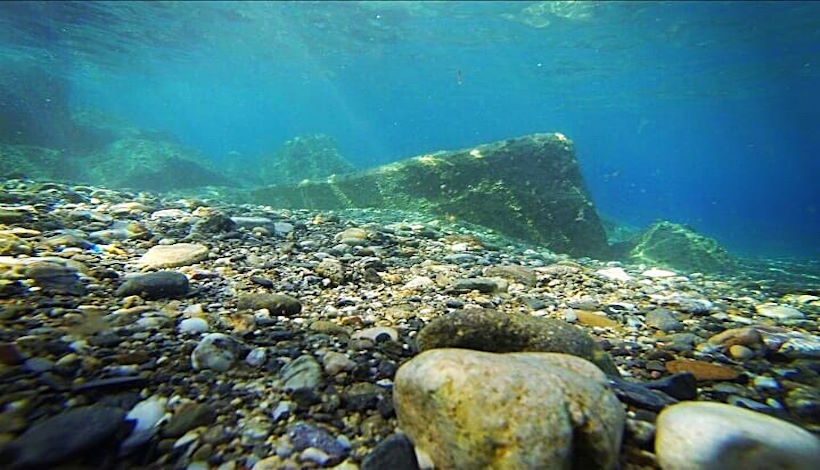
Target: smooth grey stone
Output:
[(157, 285), (304, 372)]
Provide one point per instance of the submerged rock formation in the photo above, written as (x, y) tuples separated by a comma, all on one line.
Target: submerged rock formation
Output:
[(305, 157), (676, 246), (528, 187)]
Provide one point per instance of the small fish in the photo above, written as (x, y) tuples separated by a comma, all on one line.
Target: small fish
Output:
[(459, 77)]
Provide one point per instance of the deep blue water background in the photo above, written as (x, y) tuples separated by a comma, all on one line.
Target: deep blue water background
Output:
[(701, 113)]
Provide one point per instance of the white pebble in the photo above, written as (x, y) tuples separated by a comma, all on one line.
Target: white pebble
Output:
[(193, 326)]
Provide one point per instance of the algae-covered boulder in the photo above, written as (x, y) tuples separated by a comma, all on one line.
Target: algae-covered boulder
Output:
[(679, 247), (472, 409), (528, 187), (150, 163), (304, 157), (26, 161), (494, 331)]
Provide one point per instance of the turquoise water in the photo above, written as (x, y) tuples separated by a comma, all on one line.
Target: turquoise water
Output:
[(700, 113)]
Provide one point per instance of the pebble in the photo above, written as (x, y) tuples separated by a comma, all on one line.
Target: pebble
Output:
[(741, 353), (336, 362), (656, 273), (277, 304), (445, 389), (481, 284), (55, 278), (187, 417), (614, 274), (176, 255), (706, 435), (663, 320), (215, 351), (147, 416), (156, 285), (304, 435), (779, 312), (193, 326), (377, 334), (304, 372)]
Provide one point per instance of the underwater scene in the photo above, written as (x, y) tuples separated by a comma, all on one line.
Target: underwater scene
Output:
[(409, 235)]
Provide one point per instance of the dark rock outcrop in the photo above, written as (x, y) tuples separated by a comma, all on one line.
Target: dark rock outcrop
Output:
[(528, 187)]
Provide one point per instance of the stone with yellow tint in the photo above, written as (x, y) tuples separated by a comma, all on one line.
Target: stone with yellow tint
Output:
[(474, 409)]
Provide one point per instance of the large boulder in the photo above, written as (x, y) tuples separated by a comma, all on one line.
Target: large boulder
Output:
[(494, 331), (528, 187), (472, 409), (676, 246)]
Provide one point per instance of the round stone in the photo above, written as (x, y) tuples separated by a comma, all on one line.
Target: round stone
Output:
[(711, 436)]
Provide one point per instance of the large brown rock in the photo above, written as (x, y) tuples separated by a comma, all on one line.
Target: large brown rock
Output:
[(528, 187)]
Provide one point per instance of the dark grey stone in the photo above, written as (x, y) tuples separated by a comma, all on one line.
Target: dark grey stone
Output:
[(682, 386), (158, 285), (65, 436), (640, 396), (303, 435), (394, 453)]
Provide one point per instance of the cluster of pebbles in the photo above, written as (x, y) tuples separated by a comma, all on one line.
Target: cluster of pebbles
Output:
[(143, 331)]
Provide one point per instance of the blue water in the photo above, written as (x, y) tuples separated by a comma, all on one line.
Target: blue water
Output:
[(701, 113)]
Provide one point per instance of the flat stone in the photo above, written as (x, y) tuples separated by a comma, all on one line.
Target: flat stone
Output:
[(481, 284), (56, 439), (779, 312), (55, 278), (641, 396), (656, 273), (663, 320), (519, 274), (156, 285), (712, 436), (595, 319), (494, 331), (746, 336), (473, 409), (172, 256), (702, 370), (277, 304), (614, 274)]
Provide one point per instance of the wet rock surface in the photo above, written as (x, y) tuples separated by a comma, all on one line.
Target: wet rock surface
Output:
[(575, 421), (210, 376)]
